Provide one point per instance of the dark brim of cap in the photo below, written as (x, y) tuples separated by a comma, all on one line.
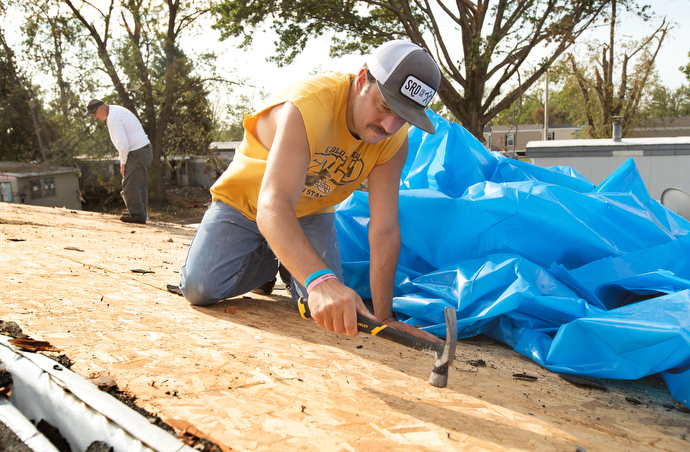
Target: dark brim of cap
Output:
[(407, 110), (92, 107)]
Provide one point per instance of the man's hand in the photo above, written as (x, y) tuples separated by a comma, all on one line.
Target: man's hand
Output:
[(122, 169), (335, 306), (411, 330)]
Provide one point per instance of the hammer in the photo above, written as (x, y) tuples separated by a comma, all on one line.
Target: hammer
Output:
[(445, 353)]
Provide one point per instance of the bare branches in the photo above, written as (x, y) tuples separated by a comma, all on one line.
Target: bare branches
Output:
[(488, 41), (603, 105)]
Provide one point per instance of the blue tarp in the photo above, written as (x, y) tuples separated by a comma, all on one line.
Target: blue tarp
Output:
[(583, 279)]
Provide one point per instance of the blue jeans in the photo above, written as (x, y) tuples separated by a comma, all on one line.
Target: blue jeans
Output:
[(229, 256)]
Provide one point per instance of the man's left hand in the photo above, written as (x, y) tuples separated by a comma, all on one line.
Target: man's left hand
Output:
[(122, 169), (411, 330)]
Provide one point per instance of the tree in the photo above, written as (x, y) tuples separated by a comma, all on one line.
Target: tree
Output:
[(600, 100), (232, 128), (18, 140), (144, 22), (481, 46), (55, 46), (686, 69), (528, 110), (565, 103), (667, 103), (190, 123)]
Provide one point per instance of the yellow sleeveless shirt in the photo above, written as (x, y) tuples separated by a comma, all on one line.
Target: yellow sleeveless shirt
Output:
[(339, 161)]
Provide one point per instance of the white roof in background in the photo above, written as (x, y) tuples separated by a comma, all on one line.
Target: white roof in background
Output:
[(19, 169), (609, 142), (531, 127), (224, 145), (86, 158)]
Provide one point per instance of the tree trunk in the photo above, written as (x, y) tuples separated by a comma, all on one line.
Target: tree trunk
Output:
[(43, 144), (158, 194), (631, 86), (154, 128)]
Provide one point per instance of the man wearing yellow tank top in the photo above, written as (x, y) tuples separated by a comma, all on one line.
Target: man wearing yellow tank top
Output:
[(303, 153)]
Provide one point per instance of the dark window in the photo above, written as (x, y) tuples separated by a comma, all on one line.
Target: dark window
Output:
[(6, 192), (35, 189), (48, 187)]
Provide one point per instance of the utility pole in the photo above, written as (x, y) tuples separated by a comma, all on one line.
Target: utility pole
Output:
[(546, 107)]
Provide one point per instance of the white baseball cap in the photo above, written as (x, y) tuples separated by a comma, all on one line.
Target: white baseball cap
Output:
[(408, 78)]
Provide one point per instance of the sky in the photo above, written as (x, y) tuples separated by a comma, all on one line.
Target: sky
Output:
[(262, 75), (673, 54), (674, 51)]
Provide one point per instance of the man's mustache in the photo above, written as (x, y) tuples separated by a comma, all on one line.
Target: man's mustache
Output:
[(379, 129)]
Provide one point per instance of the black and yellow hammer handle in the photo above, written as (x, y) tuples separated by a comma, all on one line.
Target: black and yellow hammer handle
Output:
[(366, 325)]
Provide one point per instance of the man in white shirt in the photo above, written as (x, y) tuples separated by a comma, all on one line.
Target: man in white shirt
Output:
[(135, 155)]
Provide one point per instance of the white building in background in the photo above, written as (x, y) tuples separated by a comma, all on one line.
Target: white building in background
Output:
[(40, 185), (662, 162), (513, 140), (203, 171), (181, 172)]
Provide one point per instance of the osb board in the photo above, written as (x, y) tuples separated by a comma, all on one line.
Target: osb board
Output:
[(259, 378)]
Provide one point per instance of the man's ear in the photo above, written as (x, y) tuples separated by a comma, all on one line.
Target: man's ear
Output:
[(361, 79)]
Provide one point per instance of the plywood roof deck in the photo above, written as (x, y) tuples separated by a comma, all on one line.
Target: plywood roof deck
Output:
[(250, 373)]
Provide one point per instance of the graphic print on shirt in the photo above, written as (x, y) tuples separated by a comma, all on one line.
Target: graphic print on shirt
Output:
[(330, 169)]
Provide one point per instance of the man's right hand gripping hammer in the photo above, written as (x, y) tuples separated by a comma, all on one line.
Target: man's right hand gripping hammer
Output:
[(445, 353)]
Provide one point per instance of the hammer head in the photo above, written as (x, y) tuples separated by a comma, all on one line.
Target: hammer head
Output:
[(444, 357)]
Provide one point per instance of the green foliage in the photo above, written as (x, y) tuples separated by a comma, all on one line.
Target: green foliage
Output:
[(565, 103), (100, 187), (17, 138), (190, 125), (131, 54), (493, 40), (528, 110), (231, 128), (686, 69), (667, 103), (438, 107), (231, 132), (298, 21), (54, 46), (601, 96), (189, 130)]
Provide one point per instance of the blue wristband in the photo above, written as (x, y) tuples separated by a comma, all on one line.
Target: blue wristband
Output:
[(316, 274)]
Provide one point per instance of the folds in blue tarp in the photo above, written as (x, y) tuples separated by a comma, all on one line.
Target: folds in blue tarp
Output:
[(586, 280)]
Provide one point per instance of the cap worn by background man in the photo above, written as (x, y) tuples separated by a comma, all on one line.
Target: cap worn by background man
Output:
[(92, 105), (408, 78)]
